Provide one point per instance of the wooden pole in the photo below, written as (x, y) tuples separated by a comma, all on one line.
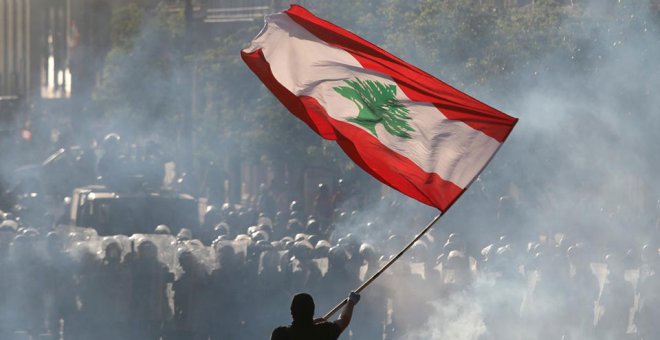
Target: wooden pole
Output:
[(387, 265), (424, 231)]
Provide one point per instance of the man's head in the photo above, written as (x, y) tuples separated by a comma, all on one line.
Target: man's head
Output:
[(113, 252), (147, 250), (302, 307), (187, 261)]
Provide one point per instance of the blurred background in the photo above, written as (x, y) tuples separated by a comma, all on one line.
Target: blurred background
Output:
[(117, 117)]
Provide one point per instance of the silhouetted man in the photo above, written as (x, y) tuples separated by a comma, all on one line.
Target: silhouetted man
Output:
[(304, 327), (190, 290), (150, 307)]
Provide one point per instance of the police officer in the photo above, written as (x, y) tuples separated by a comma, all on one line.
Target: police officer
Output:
[(150, 306)]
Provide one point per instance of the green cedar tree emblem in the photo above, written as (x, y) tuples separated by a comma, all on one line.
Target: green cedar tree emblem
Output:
[(378, 105)]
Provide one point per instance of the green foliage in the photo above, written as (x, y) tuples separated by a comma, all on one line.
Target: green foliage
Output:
[(362, 17), (239, 114), (126, 25), (471, 44), (142, 72)]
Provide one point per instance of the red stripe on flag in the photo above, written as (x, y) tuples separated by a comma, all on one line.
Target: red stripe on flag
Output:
[(415, 83), (393, 169), (363, 148), (256, 61)]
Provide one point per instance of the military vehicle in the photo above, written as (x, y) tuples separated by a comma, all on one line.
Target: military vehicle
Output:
[(111, 213)]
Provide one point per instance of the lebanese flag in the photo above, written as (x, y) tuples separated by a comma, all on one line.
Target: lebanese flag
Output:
[(408, 129)]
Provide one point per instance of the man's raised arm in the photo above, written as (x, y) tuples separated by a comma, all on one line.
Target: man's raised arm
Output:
[(347, 313)]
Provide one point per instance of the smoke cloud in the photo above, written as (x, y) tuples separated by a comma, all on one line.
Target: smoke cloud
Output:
[(579, 168)]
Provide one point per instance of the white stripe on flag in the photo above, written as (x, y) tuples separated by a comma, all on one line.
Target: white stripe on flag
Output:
[(307, 66)]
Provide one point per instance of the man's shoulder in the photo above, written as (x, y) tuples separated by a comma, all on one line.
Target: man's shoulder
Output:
[(280, 333), (320, 330)]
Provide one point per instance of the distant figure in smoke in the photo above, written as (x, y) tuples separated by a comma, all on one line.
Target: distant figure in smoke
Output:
[(295, 210), (270, 290), (616, 300), (323, 208), (279, 226), (226, 294), (372, 315), (305, 327), (59, 295), (649, 296), (26, 288), (112, 290), (340, 195), (7, 234), (149, 301), (111, 164), (302, 273), (265, 201), (338, 279), (582, 290), (190, 290)]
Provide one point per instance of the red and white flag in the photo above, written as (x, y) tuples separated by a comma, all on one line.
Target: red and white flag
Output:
[(406, 128)]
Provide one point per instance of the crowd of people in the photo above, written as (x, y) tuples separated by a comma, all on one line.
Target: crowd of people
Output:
[(236, 284), (233, 277)]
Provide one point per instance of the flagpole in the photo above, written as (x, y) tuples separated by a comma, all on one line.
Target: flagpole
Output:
[(387, 265)]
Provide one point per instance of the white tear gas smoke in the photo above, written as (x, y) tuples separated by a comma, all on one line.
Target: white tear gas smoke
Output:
[(582, 162), (461, 319)]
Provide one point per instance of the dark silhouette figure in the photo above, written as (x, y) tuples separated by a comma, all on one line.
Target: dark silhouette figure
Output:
[(112, 294), (226, 283), (59, 295), (149, 301), (26, 288), (323, 207), (649, 296), (305, 327), (189, 294)]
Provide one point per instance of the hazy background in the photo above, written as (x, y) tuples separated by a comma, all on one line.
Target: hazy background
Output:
[(582, 77)]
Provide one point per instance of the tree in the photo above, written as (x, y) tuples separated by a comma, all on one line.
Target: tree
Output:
[(378, 105), (140, 81)]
